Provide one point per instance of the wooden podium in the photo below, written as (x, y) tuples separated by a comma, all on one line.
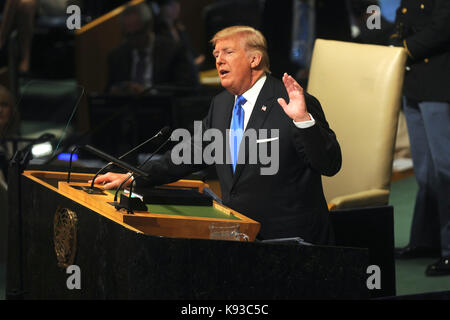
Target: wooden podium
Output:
[(159, 254), (180, 222)]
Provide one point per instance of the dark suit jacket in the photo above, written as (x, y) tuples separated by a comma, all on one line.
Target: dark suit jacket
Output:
[(289, 203), (425, 27), (171, 65)]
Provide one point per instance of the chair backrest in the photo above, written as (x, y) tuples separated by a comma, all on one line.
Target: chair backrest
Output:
[(359, 87)]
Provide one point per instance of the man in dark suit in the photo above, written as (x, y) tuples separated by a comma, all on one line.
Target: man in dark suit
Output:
[(145, 59), (422, 28), (288, 201)]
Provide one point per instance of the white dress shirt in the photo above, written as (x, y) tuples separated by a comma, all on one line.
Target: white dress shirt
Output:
[(148, 72)]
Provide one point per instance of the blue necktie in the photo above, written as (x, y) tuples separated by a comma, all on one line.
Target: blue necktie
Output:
[(237, 129)]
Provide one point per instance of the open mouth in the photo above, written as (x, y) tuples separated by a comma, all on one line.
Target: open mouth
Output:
[(223, 72)]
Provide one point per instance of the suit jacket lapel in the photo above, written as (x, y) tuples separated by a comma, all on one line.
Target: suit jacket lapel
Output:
[(124, 67), (262, 106), (261, 110), (226, 112)]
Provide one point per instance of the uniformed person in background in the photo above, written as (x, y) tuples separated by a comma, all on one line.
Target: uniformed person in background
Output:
[(423, 29)]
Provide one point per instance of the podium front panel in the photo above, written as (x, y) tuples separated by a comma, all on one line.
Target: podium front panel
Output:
[(116, 260)]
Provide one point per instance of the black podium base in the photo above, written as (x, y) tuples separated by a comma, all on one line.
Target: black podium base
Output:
[(118, 263)]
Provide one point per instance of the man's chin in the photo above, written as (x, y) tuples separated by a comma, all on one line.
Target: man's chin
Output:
[(225, 83)]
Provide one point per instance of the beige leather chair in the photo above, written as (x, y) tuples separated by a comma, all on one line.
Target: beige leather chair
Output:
[(359, 87)]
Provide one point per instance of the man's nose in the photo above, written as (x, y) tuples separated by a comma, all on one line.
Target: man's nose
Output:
[(219, 59)]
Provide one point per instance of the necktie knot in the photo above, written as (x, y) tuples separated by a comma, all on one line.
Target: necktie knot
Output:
[(240, 101)]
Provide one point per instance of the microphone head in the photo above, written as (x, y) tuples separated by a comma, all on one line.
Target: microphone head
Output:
[(42, 138), (46, 136)]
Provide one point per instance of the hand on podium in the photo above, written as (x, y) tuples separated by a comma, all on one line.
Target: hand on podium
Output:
[(112, 180)]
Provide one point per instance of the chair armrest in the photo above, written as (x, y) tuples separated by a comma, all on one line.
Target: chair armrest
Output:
[(368, 198)]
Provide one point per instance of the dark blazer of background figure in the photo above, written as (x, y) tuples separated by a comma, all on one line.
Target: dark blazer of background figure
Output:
[(169, 63)]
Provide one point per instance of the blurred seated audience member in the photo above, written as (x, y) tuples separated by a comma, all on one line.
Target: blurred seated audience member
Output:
[(20, 15), (9, 126), (145, 59), (360, 19), (168, 23)]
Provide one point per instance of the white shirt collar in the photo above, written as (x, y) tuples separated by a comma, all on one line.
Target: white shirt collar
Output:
[(148, 66), (251, 95)]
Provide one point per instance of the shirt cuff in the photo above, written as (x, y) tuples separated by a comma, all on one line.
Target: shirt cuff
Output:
[(131, 176), (305, 124)]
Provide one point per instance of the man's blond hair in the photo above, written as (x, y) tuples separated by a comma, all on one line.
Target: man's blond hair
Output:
[(254, 40)]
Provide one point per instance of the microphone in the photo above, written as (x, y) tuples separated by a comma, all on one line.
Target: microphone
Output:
[(132, 175), (76, 138), (27, 149), (107, 157), (43, 137), (163, 132), (112, 160)]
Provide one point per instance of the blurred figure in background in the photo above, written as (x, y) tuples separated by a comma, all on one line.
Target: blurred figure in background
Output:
[(146, 59), (21, 15), (167, 23), (422, 28), (9, 127)]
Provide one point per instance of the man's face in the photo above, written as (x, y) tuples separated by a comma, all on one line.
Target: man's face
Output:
[(135, 31), (171, 11), (233, 64)]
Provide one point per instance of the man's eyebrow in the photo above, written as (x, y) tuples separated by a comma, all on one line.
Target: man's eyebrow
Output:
[(221, 49), (218, 50)]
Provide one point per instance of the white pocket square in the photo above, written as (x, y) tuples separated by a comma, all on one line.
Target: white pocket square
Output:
[(266, 140)]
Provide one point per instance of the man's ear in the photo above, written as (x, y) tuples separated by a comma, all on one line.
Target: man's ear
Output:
[(255, 59)]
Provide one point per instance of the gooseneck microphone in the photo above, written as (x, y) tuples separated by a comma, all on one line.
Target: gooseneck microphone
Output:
[(139, 167), (161, 133), (106, 157), (111, 160)]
